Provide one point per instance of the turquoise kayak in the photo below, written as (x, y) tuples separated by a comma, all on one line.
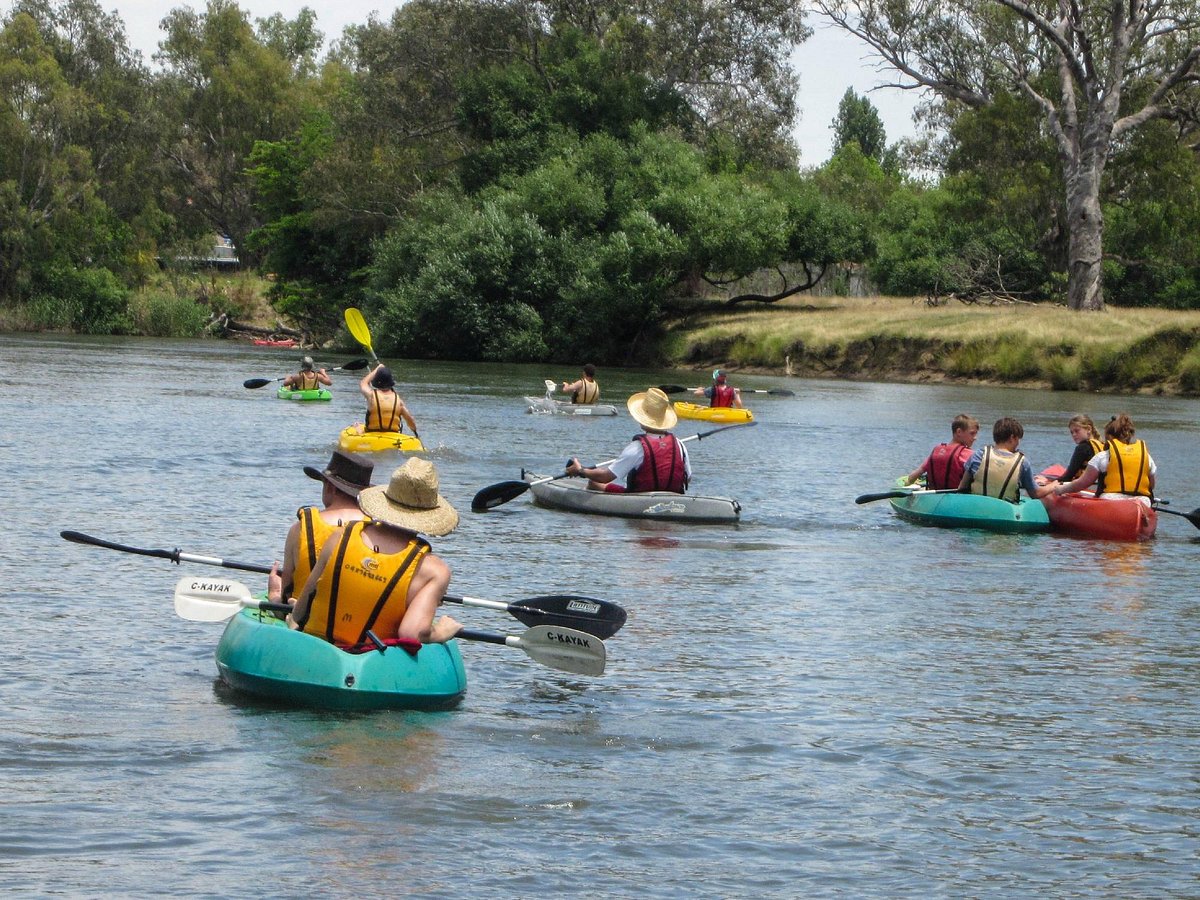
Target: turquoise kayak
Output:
[(954, 510), (318, 394), (260, 655)]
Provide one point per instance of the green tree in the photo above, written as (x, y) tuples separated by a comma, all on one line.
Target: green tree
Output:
[(1095, 72), (223, 88), (857, 121)]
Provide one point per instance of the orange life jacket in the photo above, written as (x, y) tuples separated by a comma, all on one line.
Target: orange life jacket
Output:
[(383, 411)]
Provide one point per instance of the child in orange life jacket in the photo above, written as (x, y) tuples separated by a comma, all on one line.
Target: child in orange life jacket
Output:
[(307, 379), (999, 469), (1123, 469), (346, 475), (721, 394), (1087, 444), (377, 575), (654, 461), (944, 466)]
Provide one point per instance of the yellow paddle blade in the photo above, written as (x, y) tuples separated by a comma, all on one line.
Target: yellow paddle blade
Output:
[(358, 328)]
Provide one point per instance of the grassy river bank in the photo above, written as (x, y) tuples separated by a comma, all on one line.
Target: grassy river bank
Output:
[(904, 339)]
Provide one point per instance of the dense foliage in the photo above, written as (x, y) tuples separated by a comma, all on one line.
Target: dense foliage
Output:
[(516, 180)]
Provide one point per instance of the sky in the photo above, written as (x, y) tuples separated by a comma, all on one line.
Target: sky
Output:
[(828, 63)]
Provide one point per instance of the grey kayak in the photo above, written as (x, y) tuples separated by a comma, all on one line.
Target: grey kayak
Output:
[(572, 495), (562, 407)]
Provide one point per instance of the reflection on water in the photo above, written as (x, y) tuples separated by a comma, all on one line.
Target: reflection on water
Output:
[(823, 700)]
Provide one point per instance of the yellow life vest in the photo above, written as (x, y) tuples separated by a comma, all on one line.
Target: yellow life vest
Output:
[(314, 532), (383, 411), (588, 393), (1128, 469), (307, 382), (998, 476), (362, 590)]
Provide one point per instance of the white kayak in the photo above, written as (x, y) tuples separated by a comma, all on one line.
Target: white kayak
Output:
[(572, 495), (544, 405)]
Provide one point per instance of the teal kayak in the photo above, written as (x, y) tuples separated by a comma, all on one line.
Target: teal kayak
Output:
[(954, 510), (260, 655), (318, 394)]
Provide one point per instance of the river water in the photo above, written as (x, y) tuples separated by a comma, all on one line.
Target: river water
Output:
[(821, 701)]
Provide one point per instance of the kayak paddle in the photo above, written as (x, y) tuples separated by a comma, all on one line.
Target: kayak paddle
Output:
[(361, 333), (601, 618), (897, 494), (502, 491), (679, 389), (351, 366), (1193, 516), (219, 599)]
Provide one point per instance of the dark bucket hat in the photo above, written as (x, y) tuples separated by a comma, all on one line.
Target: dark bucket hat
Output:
[(348, 472), (383, 379)]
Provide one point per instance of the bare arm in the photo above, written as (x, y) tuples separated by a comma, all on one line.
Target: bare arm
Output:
[(425, 592), (599, 474), (1084, 481), (323, 377)]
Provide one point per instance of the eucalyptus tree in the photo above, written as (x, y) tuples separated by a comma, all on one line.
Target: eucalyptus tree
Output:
[(1095, 71), (223, 87)]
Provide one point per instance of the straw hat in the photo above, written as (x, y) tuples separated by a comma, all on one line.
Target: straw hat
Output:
[(652, 409), (348, 472), (411, 500)]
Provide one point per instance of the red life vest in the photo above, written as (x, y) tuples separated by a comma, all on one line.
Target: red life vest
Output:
[(722, 395), (662, 467), (947, 462)]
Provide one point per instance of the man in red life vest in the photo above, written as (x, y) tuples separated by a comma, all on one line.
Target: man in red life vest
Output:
[(654, 461), (721, 394)]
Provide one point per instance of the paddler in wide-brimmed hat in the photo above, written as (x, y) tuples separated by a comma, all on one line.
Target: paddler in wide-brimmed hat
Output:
[(378, 575), (346, 475), (653, 461)]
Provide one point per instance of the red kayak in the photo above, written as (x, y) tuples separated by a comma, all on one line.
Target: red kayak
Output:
[(286, 342), (1082, 515)]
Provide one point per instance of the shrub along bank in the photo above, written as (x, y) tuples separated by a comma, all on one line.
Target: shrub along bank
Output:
[(902, 339)]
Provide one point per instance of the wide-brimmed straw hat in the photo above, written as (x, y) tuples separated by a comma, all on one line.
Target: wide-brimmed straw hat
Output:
[(348, 472), (652, 409), (411, 500)]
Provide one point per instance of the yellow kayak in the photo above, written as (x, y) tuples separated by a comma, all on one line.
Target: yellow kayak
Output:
[(712, 413), (354, 441)]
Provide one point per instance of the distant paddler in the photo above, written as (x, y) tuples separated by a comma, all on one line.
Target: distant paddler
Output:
[(385, 409), (721, 394), (653, 461), (308, 378), (586, 390)]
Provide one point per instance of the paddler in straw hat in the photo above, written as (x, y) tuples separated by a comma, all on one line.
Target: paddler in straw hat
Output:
[(377, 575), (654, 461)]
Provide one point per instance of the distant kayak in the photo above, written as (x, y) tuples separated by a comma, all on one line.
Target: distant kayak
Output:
[(285, 342), (353, 441), (1083, 515), (712, 413), (573, 496), (260, 655), (546, 406), (317, 394)]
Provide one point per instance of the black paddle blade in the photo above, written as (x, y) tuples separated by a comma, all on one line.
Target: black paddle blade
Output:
[(256, 382), (355, 364), (883, 495), (495, 494), (598, 617), (1193, 516), (781, 392), (672, 388)]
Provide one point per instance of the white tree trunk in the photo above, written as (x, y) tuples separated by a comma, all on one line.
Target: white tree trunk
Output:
[(1085, 246)]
